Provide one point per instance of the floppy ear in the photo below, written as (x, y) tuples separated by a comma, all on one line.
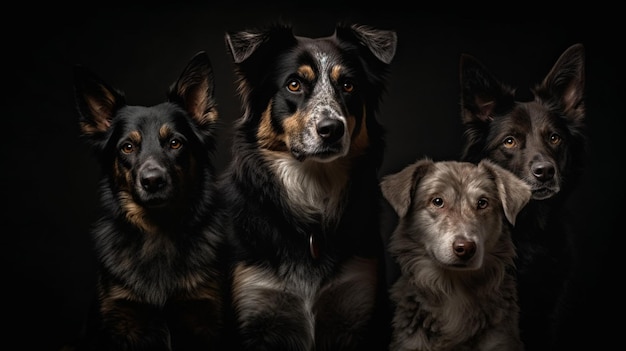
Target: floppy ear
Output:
[(565, 82), (96, 103), (399, 188), (514, 192), (195, 89)]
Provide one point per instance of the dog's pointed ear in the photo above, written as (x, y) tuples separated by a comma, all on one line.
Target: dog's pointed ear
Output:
[(482, 94), (399, 188), (241, 45), (382, 43), (566, 83), (514, 192), (96, 102), (195, 90)]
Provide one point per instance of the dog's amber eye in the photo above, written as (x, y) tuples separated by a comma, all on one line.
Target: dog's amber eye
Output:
[(127, 148), (348, 87), (438, 202), (509, 142), (555, 139), (175, 144), (482, 203), (294, 85)]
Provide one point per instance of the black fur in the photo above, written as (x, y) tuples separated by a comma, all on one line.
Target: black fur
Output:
[(303, 189), (543, 141), (158, 241)]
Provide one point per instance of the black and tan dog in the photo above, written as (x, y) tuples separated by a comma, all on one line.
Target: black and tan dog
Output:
[(160, 284), (303, 189), (453, 243), (543, 141)]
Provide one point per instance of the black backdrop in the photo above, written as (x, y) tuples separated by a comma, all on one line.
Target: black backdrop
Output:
[(49, 178)]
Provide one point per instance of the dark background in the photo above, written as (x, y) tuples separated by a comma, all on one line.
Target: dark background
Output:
[(49, 178)]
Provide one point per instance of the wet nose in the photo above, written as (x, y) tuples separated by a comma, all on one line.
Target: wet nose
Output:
[(330, 130), (464, 249), (543, 171), (152, 177)]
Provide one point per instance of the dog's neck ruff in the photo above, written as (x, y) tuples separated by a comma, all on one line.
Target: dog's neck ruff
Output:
[(314, 190)]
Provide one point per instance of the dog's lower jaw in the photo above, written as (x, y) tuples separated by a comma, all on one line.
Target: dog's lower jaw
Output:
[(544, 193), (319, 156)]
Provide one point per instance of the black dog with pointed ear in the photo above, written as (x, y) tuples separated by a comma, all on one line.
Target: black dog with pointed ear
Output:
[(543, 141), (303, 189), (160, 283)]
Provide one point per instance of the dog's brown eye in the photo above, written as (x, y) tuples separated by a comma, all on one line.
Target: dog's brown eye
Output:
[(175, 144), (438, 202), (127, 148), (555, 139), (348, 87), (482, 203), (293, 85), (509, 142)]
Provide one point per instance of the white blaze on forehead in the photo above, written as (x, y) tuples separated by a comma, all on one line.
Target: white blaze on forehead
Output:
[(324, 84), (322, 58)]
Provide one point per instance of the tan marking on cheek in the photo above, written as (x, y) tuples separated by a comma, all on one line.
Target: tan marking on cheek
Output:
[(135, 214), (267, 136), (294, 125), (360, 141), (123, 178)]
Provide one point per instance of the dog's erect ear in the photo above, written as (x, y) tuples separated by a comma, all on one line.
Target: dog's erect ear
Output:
[(482, 94), (566, 82), (195, 89), (382, 43), (96, 102), (399, 188), (514, 192), (241, 45)]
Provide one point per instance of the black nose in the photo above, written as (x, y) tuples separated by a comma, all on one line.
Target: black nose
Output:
[(464, 249), (330, 129), (152, 177), (543, 171)]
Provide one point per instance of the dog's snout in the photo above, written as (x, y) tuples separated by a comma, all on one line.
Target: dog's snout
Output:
[(543, 171), (464, 249), (330, 129), (152, 177)]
